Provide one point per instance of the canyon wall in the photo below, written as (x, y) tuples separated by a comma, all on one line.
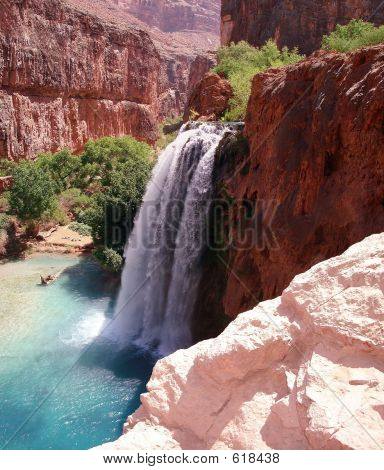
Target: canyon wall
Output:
[(177, 15), (312, 182), (302, 371), (71, 70), (292, 23)]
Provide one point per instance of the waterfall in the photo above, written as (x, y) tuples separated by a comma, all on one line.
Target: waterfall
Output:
[(161, 274)]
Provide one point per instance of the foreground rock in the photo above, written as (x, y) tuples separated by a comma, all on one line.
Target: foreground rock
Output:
[(303, 371), (292, 24)]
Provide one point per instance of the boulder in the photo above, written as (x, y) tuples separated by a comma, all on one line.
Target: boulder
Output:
[(209, 99)]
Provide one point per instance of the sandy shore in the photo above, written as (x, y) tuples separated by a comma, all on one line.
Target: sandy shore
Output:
[(61, 240)]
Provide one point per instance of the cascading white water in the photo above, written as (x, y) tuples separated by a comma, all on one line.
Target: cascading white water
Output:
[(161, 273)]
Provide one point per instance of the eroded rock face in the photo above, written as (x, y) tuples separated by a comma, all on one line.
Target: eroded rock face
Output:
[(292, 23), (209, 99), (71, 70), (302, 371), (177, 15), (314, 180)]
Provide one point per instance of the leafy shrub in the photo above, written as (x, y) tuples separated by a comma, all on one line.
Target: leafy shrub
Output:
[(6, 167), (356, 34), (110, 259), (4, 201), (33, 192), (81, 229), (57, 216), (4, 221), (75, 201), (240, 62)]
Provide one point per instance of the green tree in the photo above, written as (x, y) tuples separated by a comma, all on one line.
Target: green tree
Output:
[(122, 168), (63, 167), (102, 156), (32, 194), (110, 259)]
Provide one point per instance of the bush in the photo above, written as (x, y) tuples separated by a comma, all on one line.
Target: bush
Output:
[(109, 259), (75, 201), (240, 62), (4, 201), (356, 34), (81, 229), (57, 216), (32, 194), (6, 167), (4, 221)]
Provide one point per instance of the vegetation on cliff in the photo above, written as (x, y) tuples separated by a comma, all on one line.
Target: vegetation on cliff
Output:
[(354, 35), (240, 62)]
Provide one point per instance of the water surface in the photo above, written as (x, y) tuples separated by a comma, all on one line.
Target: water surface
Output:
[(61, 385)]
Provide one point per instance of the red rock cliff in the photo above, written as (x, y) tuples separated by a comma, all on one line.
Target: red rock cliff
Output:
[(291, 23), (316, 138), (71, 70), (177, 15)]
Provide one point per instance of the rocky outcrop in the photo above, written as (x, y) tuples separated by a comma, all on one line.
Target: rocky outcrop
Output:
[(177, 15), (313, 183), (209, 99), (5, 183), (71, 70), (302, 371), (299, 23)]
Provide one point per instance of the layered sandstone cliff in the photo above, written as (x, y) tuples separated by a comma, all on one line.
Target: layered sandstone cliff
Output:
[(302, 371), (71, 70), (292, 23), (177, 15)]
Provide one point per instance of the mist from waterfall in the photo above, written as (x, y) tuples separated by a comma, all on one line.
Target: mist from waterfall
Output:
[(161, 274)]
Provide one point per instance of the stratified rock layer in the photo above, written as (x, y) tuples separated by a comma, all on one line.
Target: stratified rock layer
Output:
[(71, 70), (175, 15), (303, 371), (298, 23), (314, 180)]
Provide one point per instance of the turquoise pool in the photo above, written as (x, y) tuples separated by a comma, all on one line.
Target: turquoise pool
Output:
[(61, 385)]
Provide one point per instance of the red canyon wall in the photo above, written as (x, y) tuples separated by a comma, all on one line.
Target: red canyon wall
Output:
[(175, 15), (71, 70), (316, 136), (291, 23)]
